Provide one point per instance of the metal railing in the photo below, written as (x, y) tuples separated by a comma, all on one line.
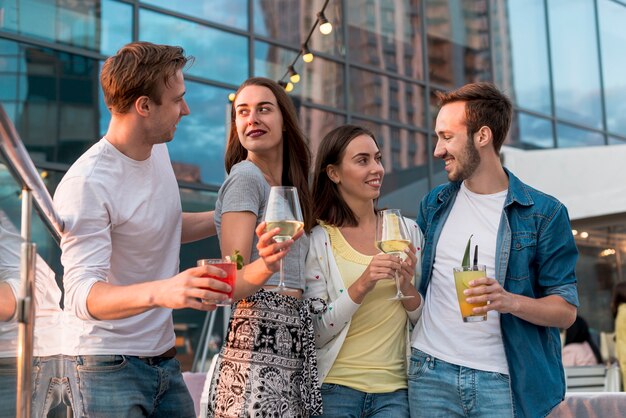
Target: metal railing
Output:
[(23, 170)]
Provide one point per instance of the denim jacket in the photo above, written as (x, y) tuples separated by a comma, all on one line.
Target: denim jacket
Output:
[(535, 257)]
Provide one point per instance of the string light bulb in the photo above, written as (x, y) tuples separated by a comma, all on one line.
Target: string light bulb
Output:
[(325, 26), (307, 55), (231, 97), (287, 85), (293, 74)]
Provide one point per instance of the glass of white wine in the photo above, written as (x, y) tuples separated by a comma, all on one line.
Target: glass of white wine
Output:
[(283, 211), (392, 237)]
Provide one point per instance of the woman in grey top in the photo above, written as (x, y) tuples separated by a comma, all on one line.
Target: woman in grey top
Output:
[(267, 365)]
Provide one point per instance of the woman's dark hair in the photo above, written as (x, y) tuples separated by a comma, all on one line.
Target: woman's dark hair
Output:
[(296, 154), (619, 297), (579, 333), (330, 207)]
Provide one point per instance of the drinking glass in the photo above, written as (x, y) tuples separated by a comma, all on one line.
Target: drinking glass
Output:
[(230, 268), (283, 211), (462, 277), (392, 237)]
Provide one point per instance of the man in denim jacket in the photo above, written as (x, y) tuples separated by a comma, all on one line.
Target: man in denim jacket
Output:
[(509, 364)]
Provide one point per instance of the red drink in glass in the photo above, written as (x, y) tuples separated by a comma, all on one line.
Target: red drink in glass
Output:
[(231, 273)]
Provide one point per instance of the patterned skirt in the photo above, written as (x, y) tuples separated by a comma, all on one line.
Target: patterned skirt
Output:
[(267, 366)]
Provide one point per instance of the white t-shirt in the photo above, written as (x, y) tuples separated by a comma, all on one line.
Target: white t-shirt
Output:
[(123, 222), (441, 331), (48, 315)]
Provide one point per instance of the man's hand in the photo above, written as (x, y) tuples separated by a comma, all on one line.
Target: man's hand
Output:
[(548, 311), (185, 290), (190, 288), (488, 290)]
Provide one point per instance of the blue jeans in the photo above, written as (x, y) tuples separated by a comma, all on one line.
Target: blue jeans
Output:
[(126, 386), (342, 401), (51, 387), (8, 386), (441, 389)]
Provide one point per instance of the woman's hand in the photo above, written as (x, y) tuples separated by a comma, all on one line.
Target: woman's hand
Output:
[(382, 266), (271, 251)]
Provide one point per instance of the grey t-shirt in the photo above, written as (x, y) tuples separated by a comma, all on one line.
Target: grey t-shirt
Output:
[(246, 190)]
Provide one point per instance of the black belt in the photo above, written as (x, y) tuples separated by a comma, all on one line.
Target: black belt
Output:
[(169, 354)]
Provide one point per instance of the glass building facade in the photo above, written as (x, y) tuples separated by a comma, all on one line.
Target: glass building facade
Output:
[(561, 61)]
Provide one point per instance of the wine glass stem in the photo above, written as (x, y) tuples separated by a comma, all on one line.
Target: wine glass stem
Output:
[(281, 282), (398, 291)]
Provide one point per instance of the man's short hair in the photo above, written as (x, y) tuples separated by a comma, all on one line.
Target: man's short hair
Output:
[(139, 69), (485, 105)]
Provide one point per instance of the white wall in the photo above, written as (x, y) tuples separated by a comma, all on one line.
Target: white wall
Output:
[(590, 181)]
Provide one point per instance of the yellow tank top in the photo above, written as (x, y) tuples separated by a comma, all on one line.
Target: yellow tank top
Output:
[(373, 356)]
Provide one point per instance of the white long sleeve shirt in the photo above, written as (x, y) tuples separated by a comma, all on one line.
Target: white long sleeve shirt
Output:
[(123, 223), (48, 337)]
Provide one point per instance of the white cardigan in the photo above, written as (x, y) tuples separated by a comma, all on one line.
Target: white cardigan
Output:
[(324, 281)]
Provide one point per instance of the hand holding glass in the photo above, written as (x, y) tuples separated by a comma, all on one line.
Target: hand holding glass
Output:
[(392, 237), (230, 267), (283, 211), (462, 277)]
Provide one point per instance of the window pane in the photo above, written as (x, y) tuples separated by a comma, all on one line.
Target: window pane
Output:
[(531, 132), (387, 98), (458, 42), (613, 39), (522, 54), (575, 61), (334, 42), (97, 25), (401, 149), (105, 115), (321, 81), (568, 136), (55, 101), (616, 141), (219, 55), (227, 12), (386, 34), (316, 124), (13, 81), (197, 151), (290, 22), (117, 26)]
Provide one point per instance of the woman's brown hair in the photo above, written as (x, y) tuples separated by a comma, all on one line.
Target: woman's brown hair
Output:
[(296, 154), (330, 207)]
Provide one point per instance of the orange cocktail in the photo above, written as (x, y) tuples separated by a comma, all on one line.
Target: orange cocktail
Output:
[(462, 277)]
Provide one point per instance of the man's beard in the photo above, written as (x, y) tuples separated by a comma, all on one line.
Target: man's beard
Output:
[(470, 163)]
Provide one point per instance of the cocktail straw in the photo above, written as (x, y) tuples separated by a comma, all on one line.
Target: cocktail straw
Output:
[(475, 266)]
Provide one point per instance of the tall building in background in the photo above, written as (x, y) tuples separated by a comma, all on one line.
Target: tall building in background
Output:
[(560, 60)]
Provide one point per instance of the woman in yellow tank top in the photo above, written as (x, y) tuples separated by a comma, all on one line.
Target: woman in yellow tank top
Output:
[(362, 337)]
